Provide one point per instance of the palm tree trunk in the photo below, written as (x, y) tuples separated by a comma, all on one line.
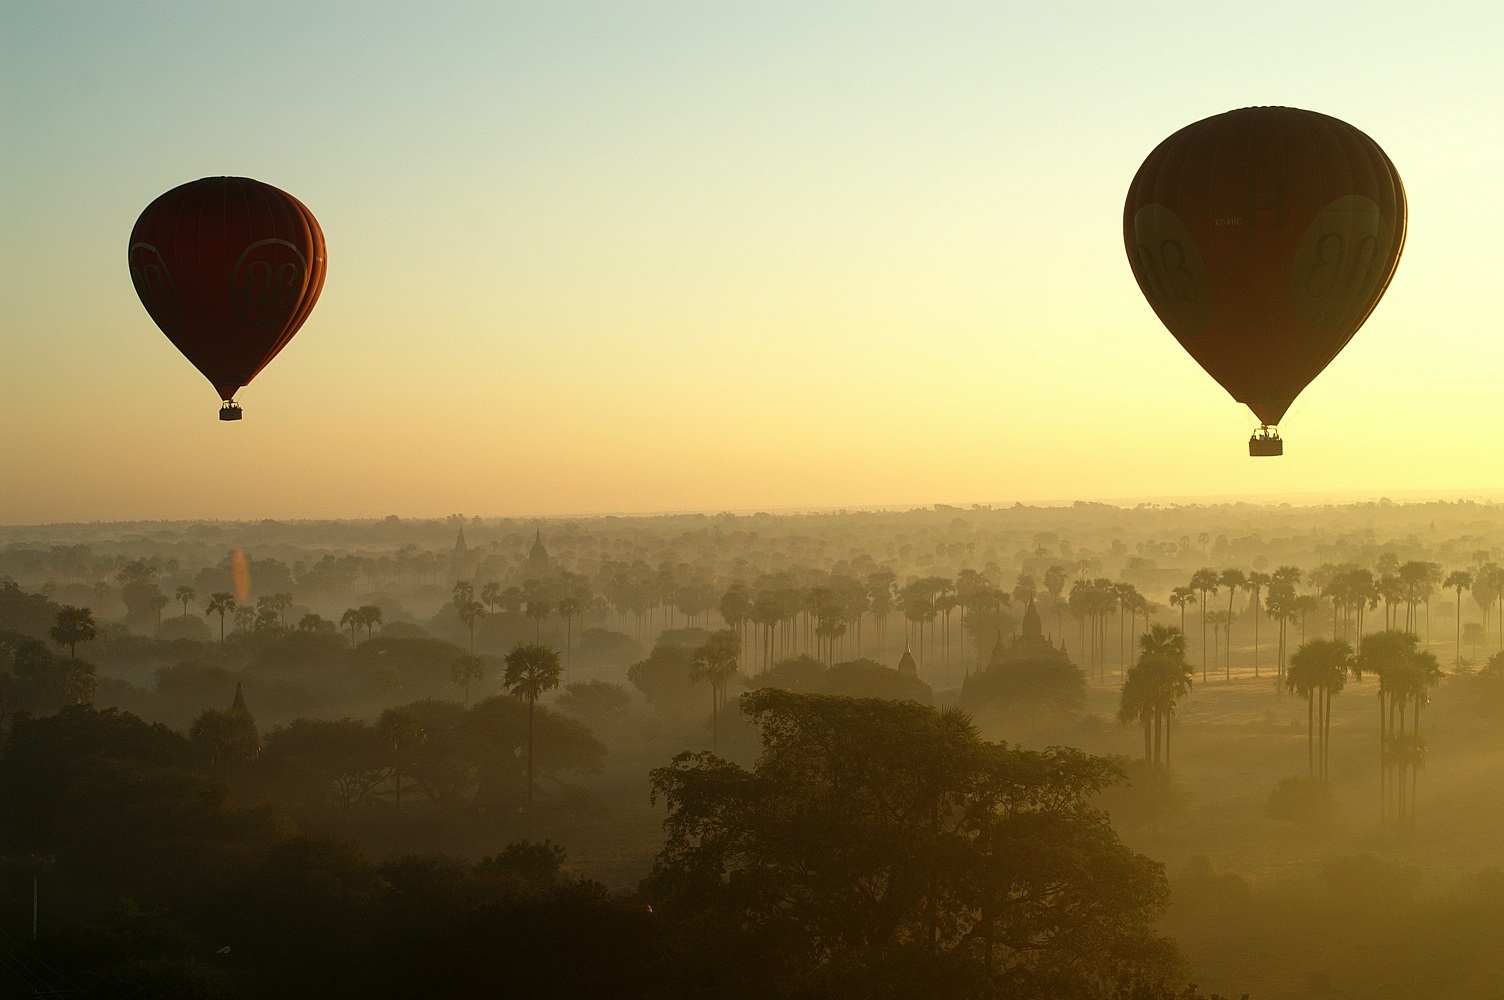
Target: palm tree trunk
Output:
[(1256, 616), (1383, 764), (715, 732), (531, 704), (1310, 733), (1457, 657)]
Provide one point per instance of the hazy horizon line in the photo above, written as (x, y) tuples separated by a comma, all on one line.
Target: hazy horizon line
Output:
[(1313, 499)]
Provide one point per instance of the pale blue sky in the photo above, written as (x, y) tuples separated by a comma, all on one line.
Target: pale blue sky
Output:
[(610, 257)]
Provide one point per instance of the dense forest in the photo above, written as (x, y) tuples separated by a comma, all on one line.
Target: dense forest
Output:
[(1080, 751)]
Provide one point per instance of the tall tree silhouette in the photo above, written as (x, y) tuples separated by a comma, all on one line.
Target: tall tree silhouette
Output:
[(72, 626), (1233, 580), (1318, 670), (532, 671), (715, 663), (1155, 685), (1204, 582), (1458, 580), (222, 603), (1256, 583)]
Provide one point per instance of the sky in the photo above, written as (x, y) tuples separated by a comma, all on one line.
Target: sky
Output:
[(590, 258)]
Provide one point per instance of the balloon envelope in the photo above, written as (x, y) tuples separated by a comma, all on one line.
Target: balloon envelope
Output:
[(228, 268), (1263, 238)]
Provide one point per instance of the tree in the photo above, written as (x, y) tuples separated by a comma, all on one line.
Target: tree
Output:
[(1204, 581), (715, 662), (353, 618), (224, 736), (401, 733), (1234, 580), (313, 622), (1406, 674), (467, 668), (1182, 597), (1256, 583), (1318, 670), (489, 594), (370, 616), (884, 849), (734, 606), (1154, 687), (470, 614), (569, 609), (186, 595), (220, 603), (74, 625), (532, 671), (1458, 580)]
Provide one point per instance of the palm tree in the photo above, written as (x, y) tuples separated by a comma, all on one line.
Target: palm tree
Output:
[(470, 613), (1405, 676), (1054, 581), (538, 609), (186, 595), (401, 732), (1234, 580), (1137, 702), (221, 602), (1256, 583), (532, 671), (73, 626), (370, 617), (489, 594), (1180, 598), (1458, 580), (734, 606), (1156, 684), (1318, 670), (280, 603), (1204, 581), (1127, 595), (352, 618), (715, 662), (467, 668), (569, 609)]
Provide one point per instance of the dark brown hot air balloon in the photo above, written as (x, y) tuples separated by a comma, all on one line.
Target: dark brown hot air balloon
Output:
[(229, 268), (1263, 238)]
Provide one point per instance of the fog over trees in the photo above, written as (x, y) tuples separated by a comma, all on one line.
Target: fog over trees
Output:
[(1076, 751)]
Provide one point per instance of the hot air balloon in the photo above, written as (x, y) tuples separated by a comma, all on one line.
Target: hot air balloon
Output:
[(229, 269), (1263, 238)]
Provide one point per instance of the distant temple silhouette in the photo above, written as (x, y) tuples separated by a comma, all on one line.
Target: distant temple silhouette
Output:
[(906, 663), (462, 563), (537, 556), (1032, 645)]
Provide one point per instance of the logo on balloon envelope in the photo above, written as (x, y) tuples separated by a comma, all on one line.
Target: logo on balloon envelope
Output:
[(268, 281), (1341, 262), (1170, 269), (154, 285)]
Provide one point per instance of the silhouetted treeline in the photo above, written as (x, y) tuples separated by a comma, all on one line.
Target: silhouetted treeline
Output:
[(876, 849)]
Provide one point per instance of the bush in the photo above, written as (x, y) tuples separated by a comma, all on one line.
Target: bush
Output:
[(1304, 801)]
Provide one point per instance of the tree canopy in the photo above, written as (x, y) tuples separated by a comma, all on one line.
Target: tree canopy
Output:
[(883, 849)]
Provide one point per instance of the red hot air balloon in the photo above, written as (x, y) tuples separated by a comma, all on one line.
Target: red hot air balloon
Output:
[(229, 268), (1263, 238)]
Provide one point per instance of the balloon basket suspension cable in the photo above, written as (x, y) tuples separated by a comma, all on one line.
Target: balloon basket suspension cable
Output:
[(1266, 442), (231, 410)]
